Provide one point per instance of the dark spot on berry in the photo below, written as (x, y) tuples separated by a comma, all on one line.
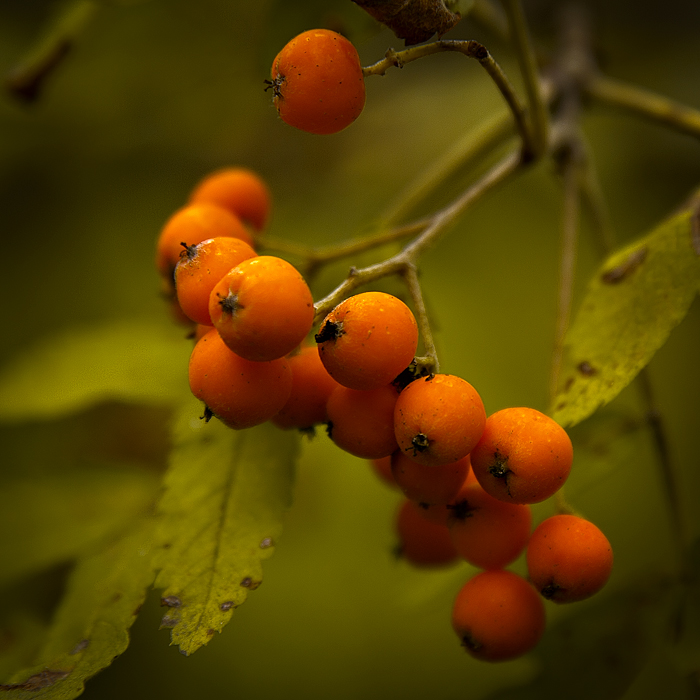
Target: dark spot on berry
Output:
[(550, 591), (229, 304), (330, 330), (420, 443), (500, 470), (468, 642), (461, 510)]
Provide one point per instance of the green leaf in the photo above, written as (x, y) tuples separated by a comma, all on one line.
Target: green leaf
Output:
[(56, 518), (226, 493), (126, 361), (90, 627), (632, 304)]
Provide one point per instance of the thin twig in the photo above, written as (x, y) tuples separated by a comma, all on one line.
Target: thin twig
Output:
[(410, 276), (469, 149), (645, 103), (539, 116), (471, 49), (399, 263)]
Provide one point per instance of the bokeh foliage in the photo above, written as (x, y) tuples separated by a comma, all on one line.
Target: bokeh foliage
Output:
[(153, 95)]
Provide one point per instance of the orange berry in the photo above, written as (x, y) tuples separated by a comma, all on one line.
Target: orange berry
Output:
[(439, 419), (429, 485), (191, 225), (488, 533), (523, 456), (201, 268), (367, 340), (568, 558), (361, 422), (422, 543), (262, 308), (317, 82), (498, 616), (239, 392), (441, 512), (241, 191), (382, 468), (311, 387)]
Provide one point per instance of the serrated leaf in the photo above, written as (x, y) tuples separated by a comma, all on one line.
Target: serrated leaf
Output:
[(226, 493), (90, 627), (632, 304), (125, 361), (55, 518)]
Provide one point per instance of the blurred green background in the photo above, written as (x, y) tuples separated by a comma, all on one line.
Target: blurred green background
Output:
[(154, 95)]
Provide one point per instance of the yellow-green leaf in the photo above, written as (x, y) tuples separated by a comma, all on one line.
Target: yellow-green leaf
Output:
[(90, 627), (221, 514), (632, 304), (126, 361), (56, 518)]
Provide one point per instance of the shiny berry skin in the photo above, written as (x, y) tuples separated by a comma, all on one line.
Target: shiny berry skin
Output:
[(361, 422), (262, 308), (311, 387), (438, 419), (498, 616), (488, 533), (200, 269), (241, 191), (422, 543), (568, 558), (523, 456), (368, 340), (193, 224), (429, 485), (317, 82), (239, 392)]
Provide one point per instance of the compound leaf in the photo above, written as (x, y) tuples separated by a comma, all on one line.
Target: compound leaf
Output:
[(56, 518), (221, 514), (632, 304), (90, 626), (126, 361)]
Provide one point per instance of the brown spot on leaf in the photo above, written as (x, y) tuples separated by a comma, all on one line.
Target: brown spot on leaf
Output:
[(227, 605), (266, 542), (171, 601), (248, 583), (168, 621), (211, 632), (43, 679), (617, 274), (80, 646), (586, 369)]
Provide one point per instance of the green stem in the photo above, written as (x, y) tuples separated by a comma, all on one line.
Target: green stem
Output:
[(26, 79), (645, 103), (468, 150), (471, 49), (430, 361), (438, 223), (539, 116)]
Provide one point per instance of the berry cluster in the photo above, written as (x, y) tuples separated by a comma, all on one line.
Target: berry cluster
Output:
[(468, 479), (477, 508)]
